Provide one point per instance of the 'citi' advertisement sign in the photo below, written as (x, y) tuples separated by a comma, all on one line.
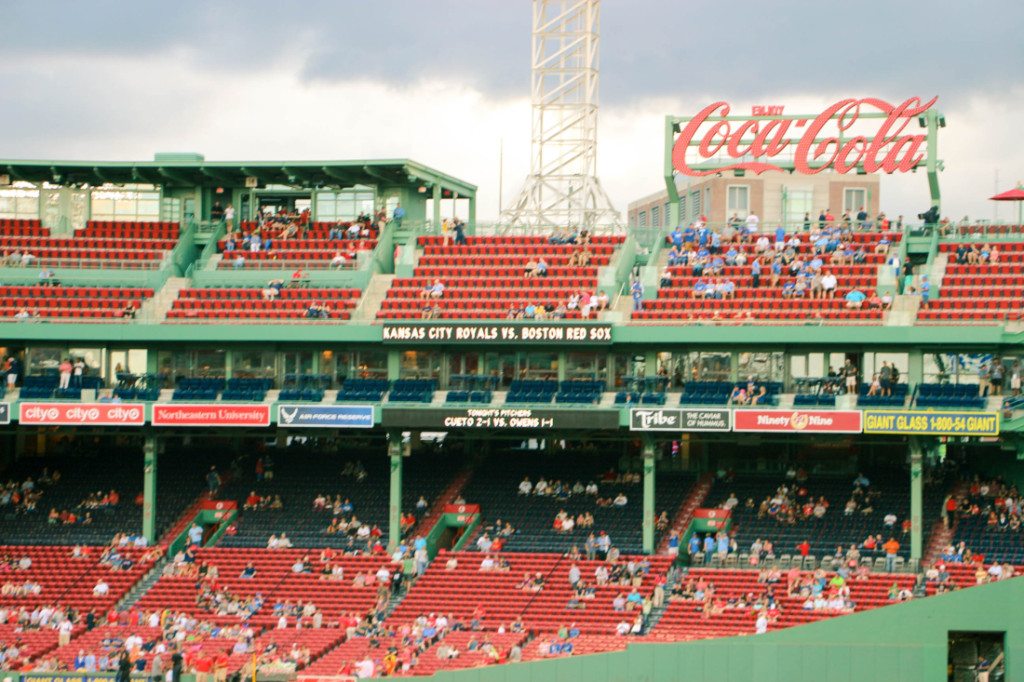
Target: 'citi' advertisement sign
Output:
[(82, 414), (839, 138)]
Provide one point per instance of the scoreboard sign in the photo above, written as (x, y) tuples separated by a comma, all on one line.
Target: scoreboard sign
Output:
[(520, 333), (499, 419)]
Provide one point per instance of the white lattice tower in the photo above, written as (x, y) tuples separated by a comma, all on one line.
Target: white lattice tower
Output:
[(562, 189)]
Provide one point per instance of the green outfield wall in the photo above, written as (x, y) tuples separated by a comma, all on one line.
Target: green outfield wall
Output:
[(904, 643)]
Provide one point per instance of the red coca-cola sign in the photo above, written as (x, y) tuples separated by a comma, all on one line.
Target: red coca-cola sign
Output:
[(836, 138), (82, 414), (800, 421), (211, 414)]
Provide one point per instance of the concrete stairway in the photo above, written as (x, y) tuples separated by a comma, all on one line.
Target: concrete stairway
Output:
[(372, 298), (155, 309), (698, 493)]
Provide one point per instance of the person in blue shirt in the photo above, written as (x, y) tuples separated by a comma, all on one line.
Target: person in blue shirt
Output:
[(693, 546), (776, 272), (723, 543), (709, 548), (689, 235), (677, 237), (700, 289), (755, 273), (821, 244), (730, 256), (780, 235), (855, 299), (637, 291), (816, 263), (398, 215), (926, 290), (530, 311), (716, 242)]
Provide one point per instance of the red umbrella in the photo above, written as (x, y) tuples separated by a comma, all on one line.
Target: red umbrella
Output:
[(1015, 194)]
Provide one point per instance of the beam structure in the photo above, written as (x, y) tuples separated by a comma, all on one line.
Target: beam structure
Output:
[(395, 456)]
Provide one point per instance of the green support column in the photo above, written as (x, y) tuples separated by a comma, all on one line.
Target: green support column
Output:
[(649, 511), (395, 452), (149, 489), (394, 364), (916, 488), (915, 367), (435, 217)]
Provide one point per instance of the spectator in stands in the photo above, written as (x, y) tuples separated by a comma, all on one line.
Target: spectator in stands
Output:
[(64, 369), (636, 290), (891, 549)]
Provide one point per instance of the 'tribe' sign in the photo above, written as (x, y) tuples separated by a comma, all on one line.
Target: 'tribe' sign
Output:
[(834, 139)]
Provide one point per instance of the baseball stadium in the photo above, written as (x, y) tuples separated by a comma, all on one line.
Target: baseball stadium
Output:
[(318, 420)]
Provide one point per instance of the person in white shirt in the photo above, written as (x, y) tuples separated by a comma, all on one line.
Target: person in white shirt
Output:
[(622, 628), (620, 500), (64, 633), (753, 222), (828, 284), (889, 520), (761, 626), (101, 589), (383, 575), (282, 623), (731, 502), (525, 487), (487, 564)]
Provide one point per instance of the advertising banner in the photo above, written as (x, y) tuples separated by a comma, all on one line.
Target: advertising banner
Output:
[(210, 414), (929, 423), (326, 416), (82, 414), (798, 421), (686, 419), (524, 333)]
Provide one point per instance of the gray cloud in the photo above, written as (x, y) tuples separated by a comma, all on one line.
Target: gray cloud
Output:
[(746, 48)]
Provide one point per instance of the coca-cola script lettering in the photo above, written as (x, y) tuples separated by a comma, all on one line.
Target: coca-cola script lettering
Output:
[(830, 140)]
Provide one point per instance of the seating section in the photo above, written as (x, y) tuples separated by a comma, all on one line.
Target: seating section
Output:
[(412, 391), (46, 386), (138, 386), (198, 388), (956, 396), (363, 390), (573, 392), (107, 304), (300, 474), (254, 390), (472, 388), (898, 397), (685, 619), (292, 304), (101, 244), (496, 489), (274, 581), (304, 387), (68, 581), (313, 248), (677, 302), (720, 392), (989, 289), (485, 278), (467, 589), (87, 477)]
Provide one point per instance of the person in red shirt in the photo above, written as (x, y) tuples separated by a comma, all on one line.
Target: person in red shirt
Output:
[(804, 548)]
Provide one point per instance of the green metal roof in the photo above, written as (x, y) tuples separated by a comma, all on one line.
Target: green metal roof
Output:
[(192, 170)]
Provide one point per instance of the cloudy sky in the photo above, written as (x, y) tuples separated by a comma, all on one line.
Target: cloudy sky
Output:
[(446, 81)]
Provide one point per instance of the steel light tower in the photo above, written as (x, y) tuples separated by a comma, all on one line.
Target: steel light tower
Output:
[(562, 189)]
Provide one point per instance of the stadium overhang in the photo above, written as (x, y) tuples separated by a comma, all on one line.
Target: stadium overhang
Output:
[(193, 170)]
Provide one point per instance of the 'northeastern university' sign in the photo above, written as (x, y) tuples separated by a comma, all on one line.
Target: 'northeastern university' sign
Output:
[(539, 334), (852, 133)]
